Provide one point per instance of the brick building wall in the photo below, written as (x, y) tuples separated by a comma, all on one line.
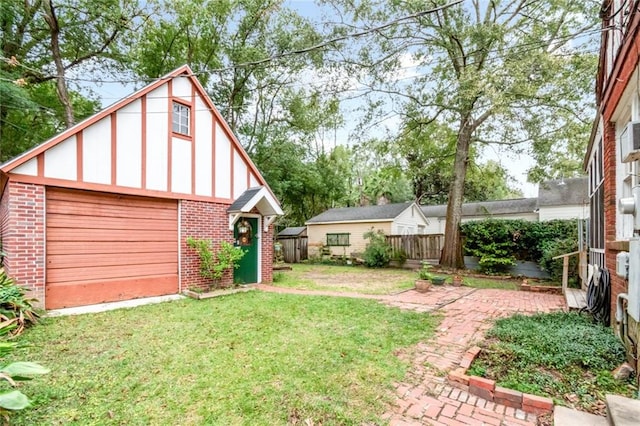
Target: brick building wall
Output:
[(201, 220), (267, 255), (22, 221)]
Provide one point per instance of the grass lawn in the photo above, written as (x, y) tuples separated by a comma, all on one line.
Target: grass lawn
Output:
[(360, 279), (249, 358), (561, 355)]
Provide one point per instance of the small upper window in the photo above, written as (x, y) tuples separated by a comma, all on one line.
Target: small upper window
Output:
[(180, 118)]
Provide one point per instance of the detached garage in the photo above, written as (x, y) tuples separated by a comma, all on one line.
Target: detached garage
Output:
[(102, 211)]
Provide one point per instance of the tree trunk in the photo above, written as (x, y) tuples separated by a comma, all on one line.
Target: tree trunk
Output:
[(61, 84), (451, 256)]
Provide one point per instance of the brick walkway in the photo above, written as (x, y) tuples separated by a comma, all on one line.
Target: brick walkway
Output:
[(424, 397)]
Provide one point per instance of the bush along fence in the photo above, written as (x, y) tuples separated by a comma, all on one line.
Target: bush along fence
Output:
[(499, 243)]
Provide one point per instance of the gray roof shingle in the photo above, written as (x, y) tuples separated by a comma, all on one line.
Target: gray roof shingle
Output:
[(243, 199), (292, 231), (348, 214), (486, 208), (563, 192)]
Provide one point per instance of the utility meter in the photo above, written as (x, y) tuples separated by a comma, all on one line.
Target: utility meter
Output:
[(622, 265)]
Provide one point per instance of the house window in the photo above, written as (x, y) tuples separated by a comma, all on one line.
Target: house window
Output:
[(180, 121), (596, 237), (338, 239)]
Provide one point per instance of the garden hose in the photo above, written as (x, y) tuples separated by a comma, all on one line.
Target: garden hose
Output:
[(599, 297)]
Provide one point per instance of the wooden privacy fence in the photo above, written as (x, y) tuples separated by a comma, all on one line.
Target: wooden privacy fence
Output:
[(294, 249), (417, 247)]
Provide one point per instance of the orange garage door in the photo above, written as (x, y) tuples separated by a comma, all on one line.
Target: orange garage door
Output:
[(107, 247)]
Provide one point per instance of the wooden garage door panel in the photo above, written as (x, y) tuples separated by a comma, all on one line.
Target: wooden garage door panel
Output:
[(96, 222), (83, 234), (86, 260), (91, 292), (108, 247), (109, 272), (97, 210)]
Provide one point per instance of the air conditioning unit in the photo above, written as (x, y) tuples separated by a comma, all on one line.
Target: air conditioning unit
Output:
[(630, 142)]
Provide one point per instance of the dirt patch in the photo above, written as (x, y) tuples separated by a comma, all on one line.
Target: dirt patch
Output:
[(361, 280)]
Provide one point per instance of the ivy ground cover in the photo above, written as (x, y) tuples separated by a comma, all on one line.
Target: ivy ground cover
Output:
[(248, 358)]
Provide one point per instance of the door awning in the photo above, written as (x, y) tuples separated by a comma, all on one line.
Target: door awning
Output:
[(259, 198)]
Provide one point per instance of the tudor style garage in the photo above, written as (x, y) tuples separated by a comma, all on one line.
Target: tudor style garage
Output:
[(102, 211)]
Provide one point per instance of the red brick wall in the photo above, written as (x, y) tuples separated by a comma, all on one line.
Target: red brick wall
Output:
[(618, 285), (22, 216), (267, 255), (199, 219), (210, 221)]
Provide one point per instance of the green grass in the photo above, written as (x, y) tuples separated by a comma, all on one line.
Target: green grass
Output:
[(250, 358), (560, 355)]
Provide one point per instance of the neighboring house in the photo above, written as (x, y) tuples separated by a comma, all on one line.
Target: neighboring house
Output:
[(610, 179), (557, 199), (101, 212), (342, 229), (294, 243), (563, 199), (521, 208)]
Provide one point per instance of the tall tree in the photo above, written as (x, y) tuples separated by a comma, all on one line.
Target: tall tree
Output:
[(427, 152), (44, 42), (500, 71)]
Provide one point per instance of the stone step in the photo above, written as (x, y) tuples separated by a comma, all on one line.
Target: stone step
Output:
[(563, 416), (623, 411)]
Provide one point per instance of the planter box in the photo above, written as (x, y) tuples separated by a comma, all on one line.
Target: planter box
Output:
[(215, 293), (422, 286)]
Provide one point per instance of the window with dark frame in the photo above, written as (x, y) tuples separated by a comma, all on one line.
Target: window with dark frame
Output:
[(596, 237), (339, 239), (181, 118)]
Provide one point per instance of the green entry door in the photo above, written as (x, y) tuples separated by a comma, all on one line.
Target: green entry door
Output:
[(246, 234)]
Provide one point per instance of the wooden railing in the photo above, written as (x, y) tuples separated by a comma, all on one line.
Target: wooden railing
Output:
[(582, 268), (417, 247)]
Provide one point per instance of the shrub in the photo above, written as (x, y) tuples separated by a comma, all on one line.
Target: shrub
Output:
[(214, 264), (498, 243), (550, 249), (16, 310), (377, 253), (492, 241)]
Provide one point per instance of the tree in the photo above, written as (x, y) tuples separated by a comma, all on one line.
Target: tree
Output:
[(224, 42), (505, 72), (41, 43)]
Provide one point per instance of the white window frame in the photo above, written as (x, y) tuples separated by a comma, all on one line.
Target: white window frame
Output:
[(181, 118)]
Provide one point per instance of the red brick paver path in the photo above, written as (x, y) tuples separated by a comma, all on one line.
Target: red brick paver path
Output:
[(424, 397)]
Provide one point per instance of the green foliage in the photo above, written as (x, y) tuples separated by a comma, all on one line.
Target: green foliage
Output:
[(428, 153), (492, 241), (13, 400), (91, 36), (424, 273), (214, 264), (16, 310), (550, 249), (558, 340), (377, 253), (499, 242), (553, 355)]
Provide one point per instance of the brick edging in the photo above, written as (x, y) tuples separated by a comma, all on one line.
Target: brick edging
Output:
[(487, 389)]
